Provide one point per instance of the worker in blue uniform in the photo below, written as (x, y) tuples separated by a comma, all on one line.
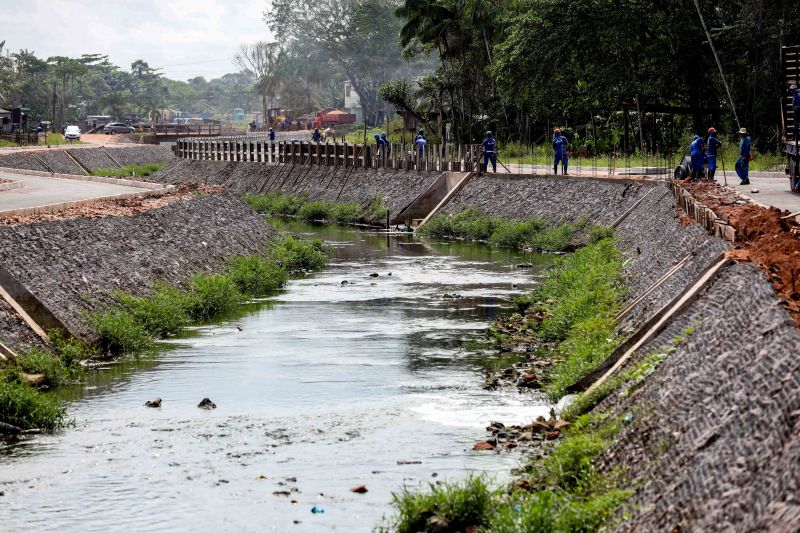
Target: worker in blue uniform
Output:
[(560, 143), (420, 141), (489, 146), (712, 148), (743, 163), (420, 134), (271, 135), (386, 145), (697, 153), (378, 144), (317, 136)]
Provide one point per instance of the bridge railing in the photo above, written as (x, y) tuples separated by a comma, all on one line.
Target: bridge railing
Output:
[(431, 158), (187, 129)]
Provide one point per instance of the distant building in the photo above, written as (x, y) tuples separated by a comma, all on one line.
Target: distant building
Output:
[(5, 121), (95, 121), (352, 104)]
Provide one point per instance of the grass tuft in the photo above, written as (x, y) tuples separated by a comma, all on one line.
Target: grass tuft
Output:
[(297, 255), (255, 275), (129, 170), (213, 295), (120, 332), (24, 407)]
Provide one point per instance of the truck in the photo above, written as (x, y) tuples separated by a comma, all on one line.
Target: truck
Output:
[(333, 117)]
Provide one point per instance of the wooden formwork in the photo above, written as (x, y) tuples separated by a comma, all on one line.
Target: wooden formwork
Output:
[(702, 214)]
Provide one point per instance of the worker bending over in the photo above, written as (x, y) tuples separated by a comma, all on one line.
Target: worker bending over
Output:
[(560, 152), (489, 152), (697, 152)]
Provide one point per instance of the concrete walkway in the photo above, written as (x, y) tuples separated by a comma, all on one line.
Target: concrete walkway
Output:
[(42, 192)]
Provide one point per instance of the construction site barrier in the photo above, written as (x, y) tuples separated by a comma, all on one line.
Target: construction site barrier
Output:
[(259, 149)]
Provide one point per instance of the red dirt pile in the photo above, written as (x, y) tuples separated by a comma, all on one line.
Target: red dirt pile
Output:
[(130, 206), (767, 236)]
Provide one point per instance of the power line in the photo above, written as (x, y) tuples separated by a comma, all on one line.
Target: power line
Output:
[(719, 65)]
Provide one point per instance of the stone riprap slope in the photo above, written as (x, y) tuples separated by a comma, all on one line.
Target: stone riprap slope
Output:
[(72, 266), (91, 158), (14, 333), (555, 199), (21, 160), (398, 188), (60, 162), (713, 443), (653, 240)]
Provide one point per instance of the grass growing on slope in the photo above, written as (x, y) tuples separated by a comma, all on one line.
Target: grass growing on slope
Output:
[(565, 493), (131, 325), (129, 170), (276, 203), (578, 301), (24, 407), (473, 225)]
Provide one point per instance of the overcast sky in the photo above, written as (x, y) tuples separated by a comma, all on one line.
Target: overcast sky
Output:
[(186, 38)]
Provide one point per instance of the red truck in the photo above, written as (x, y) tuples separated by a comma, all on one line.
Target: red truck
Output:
[(333, 117)]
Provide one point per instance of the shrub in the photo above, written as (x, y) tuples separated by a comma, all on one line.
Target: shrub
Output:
[(600, 233), (213, 295), (255, 276), (514, 234), (56, 371), (296, 255), (162, 313), (70, 350), (460, 504), (24, 407), (376, 211), (120, 332), (315, 211), (346, 213), (556, 239)]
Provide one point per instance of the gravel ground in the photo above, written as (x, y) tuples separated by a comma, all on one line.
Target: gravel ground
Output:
[(21, 160), (92, 158), (14, 333), (72, 265)]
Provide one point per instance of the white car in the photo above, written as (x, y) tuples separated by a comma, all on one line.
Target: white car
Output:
[(72, 133)]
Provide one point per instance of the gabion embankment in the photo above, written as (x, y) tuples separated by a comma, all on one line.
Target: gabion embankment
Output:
[(73, 266), (397, 188), (56, 159)]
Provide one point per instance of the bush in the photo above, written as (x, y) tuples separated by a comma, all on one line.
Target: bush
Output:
[(163, 313), (460, 504), (24, 407), (120, 332), (56, 371), (558, 238), (600, 233), (69, 350), (347, 213), (514, 234), (213, 295), (255, 276), (275, 203), (296, 255), (315, 211)]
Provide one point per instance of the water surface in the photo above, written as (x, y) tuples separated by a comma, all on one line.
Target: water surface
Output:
[(323, 387)]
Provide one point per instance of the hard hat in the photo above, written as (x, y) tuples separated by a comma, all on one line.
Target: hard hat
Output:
[(421, 130), (383, 134), (489, 133), (743, 131), (712, 130), (557, 130), (793, 87)]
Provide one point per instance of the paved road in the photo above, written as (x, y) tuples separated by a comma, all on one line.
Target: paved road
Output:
[(40, 191)]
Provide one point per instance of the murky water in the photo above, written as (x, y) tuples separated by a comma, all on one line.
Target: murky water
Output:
[(321, 388)]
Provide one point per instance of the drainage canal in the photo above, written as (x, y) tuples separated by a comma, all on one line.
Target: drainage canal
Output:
[(341, 380)]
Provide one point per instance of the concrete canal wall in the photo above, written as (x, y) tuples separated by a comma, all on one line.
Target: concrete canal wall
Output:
[(79, 159)]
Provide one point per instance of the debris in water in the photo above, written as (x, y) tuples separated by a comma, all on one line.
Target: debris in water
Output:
[(483, 446), (205, 403), (155, 402), (401, 462), (525, 265), (361, 489), (374, 275), (316, 510)]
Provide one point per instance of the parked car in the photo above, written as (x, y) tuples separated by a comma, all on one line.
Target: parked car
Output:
[(72, 133), (117, 127)]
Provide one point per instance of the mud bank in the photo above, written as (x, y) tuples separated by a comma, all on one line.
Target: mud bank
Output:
[(397, 188), (71, 266), (63, 160)]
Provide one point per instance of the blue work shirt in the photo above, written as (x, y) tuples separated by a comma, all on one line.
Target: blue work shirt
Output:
[(560, 144), (271, 135), (489, 145), (796, 99), (698, 144), (744, 146), (420, 142), (316, 137), (713, 144)]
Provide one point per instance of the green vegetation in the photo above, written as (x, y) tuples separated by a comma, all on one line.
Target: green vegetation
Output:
[(130, 170), (575, 307), (471, 224), (24, 407), (131, 325), (564, 493), (277, 203)]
